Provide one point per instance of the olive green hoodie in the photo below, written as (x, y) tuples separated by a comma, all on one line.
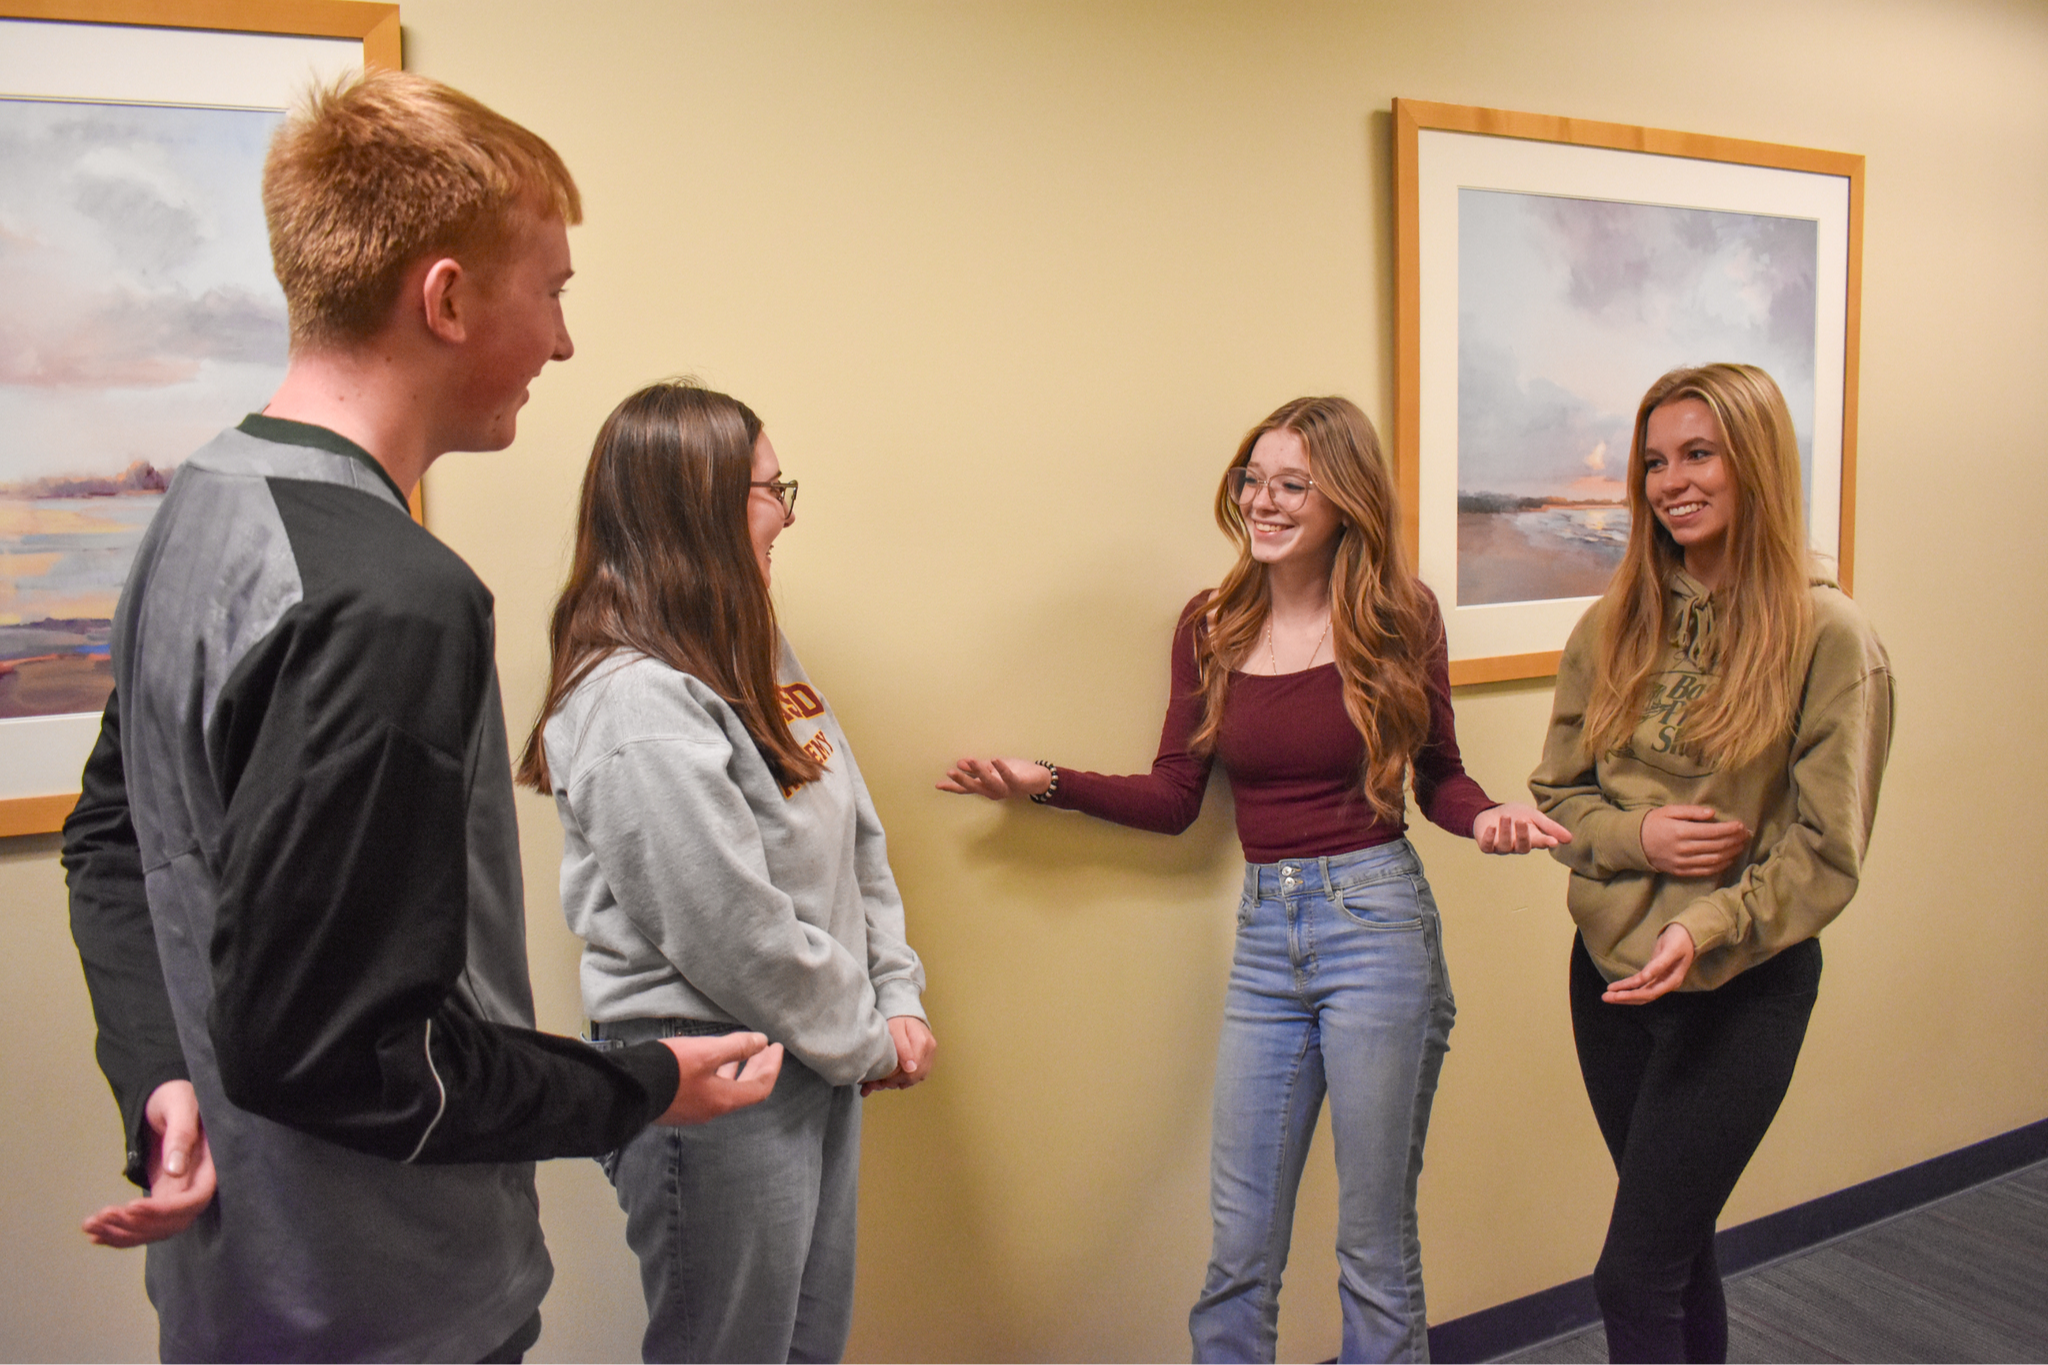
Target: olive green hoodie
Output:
[(1809, 799)]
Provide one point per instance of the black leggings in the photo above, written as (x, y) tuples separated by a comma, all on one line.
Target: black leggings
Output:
[(513, 1352), (1684, 1089)]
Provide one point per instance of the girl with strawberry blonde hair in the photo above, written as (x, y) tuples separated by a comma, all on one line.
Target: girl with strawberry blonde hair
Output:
[(1317, 675)]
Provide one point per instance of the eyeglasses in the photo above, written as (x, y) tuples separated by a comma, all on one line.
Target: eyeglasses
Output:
[(785, 493), (1287, 490)]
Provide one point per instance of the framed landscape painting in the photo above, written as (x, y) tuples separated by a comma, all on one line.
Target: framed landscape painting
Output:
[(1549, 270), (138, 314)]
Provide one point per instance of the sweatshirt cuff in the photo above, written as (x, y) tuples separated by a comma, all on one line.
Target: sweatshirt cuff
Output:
[(1708, 924), (656, 1069), (893, 998), (1626, 842)]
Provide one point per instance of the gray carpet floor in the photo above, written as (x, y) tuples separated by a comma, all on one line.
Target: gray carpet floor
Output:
[(1962, 1279)]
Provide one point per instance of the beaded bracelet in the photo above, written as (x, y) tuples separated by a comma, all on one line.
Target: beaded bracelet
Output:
[(1044, 798)]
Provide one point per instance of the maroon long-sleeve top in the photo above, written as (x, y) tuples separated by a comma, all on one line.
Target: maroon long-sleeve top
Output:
[(1293, 757)]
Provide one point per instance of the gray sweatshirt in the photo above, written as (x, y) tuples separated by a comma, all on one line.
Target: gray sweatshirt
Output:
[(702, 891)]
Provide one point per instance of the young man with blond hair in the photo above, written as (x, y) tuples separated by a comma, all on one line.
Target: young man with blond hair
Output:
[(295, 867)]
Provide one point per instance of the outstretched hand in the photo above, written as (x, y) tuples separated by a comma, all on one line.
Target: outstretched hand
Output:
[(914, 1048), (720, 1074), (1688, 841), (1666, 970), (998, 779), (181, 1175), (1517, 827)]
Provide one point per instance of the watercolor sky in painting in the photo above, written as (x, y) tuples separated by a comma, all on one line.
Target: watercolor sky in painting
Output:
[(141, 314), (1569, 308)]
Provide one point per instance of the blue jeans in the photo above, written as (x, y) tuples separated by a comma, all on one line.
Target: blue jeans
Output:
[(745, 1225), (1338, 987)]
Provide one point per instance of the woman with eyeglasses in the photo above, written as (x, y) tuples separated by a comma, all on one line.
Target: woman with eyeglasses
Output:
[(725, 868), (1316, 674), (1722, 720)]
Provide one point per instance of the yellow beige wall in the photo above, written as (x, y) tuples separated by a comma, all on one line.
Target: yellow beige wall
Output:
[(1007, 281)]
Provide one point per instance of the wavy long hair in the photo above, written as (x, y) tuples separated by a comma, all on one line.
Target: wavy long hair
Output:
[(664, 565), (1763, 611), (1380, 630)]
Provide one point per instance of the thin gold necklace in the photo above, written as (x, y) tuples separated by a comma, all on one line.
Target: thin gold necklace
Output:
[(1274, 659)]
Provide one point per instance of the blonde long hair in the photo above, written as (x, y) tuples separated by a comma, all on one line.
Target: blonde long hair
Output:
[(1763, 611), (1379, 618)]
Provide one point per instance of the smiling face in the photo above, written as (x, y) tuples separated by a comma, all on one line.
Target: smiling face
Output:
[(1687, 483), (514, 327), (1304, 537), (765, 517)]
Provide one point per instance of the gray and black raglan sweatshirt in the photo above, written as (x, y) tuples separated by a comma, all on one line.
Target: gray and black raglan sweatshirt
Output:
[(704, 891), (295, 880)]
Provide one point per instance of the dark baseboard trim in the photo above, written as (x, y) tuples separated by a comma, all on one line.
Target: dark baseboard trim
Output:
[(1818, 1220), (1513, 1326), (1509, 1327)]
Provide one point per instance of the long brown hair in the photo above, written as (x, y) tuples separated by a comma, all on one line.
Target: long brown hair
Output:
[(664, 565), (1379, 618), (1763, 611)]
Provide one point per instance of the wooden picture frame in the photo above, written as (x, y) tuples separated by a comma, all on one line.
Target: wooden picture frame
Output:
[(132, 52), (1489, 165)]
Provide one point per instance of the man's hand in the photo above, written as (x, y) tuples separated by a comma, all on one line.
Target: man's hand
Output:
[(721, 1074), (1669, 961), (1517, 827), (181, 1175), (1687, 841), (914, 1048)]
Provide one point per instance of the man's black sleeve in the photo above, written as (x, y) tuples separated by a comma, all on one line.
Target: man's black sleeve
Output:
[(137, 1045), (339, 748)]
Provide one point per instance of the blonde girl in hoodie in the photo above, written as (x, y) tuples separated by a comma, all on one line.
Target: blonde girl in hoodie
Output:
[(1721, 724)]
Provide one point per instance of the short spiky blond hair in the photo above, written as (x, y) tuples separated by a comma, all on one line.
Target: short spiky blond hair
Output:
[(375, 171)]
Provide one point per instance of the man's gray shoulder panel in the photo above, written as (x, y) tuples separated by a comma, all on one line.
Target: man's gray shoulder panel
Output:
[(214, 575), (236, 454)]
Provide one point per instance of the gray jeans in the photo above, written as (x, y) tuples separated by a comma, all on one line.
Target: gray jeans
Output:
[(745, 1225)]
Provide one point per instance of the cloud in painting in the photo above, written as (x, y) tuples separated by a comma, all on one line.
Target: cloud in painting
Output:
[(140, 205), (1534, 436), (1690, 271), (130, 340), (142, 315), (1569, 308)]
